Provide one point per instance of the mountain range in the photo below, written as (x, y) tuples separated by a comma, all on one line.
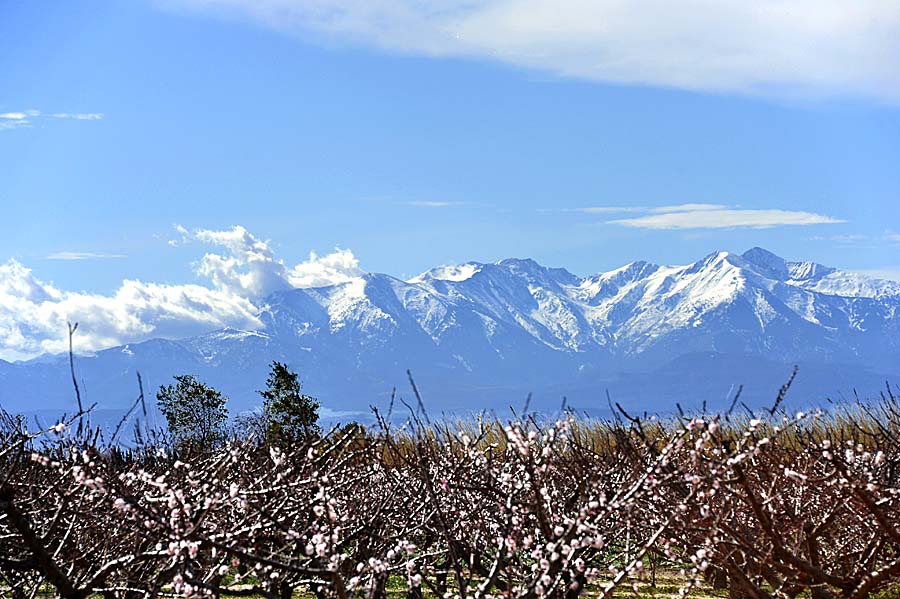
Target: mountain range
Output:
[(483, 336)]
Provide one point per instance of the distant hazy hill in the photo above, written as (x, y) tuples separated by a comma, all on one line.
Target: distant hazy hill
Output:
[(482, 336)]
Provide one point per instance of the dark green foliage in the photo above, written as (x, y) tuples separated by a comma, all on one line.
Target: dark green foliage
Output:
[(195, 413), (290, 414)]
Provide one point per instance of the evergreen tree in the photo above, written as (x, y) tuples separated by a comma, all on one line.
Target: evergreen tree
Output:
[(195, 413), (290, 414)]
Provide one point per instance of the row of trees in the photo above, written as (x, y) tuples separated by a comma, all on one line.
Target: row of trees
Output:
[(197, 414), (779, 507)]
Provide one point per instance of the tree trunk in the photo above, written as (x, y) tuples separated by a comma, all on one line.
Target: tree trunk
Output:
[(414, 593), (716, 577)]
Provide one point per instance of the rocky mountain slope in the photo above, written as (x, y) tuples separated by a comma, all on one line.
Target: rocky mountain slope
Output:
[(484, 335)]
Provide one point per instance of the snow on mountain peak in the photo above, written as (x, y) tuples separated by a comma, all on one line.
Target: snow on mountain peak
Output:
[(829, 281), (805, 271), (630, 271), (629, 309), (475, 323)]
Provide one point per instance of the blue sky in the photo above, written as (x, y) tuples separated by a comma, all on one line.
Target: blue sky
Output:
[(417, 137)]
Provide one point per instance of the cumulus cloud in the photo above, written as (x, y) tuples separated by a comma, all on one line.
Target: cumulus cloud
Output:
[(250, 268), (768, 47), (337, 267), (34, 313)]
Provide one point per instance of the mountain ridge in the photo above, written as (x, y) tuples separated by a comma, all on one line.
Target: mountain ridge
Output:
[(520, 326)]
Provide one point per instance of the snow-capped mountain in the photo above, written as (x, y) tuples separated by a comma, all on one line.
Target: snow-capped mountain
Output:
[(484, 335)]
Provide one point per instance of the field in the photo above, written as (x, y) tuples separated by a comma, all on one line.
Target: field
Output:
[(740, 505)]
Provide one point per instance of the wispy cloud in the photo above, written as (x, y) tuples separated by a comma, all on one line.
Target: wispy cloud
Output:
[(79, 116), (18, 116), (714, 216), (848, 238), (687, 208), (650, 209), (184, 236), (705, 216), (82, 256), (887, 236), (15, 120), (14, 124), (26, 118), (430, 204), (610, 209), (809, 48)]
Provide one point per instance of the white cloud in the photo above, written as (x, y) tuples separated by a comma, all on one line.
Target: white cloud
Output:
[(610, 209), (79, 116), (82, 256), (768, 47), (184, 236), (715, 217), (14, 124), (15, 120), (873, 240), (34, 313), (706, 216), (337, 267), (433, 204), (249, 269), (686, 208), (846, 238), (656, 210), (25, 118)]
